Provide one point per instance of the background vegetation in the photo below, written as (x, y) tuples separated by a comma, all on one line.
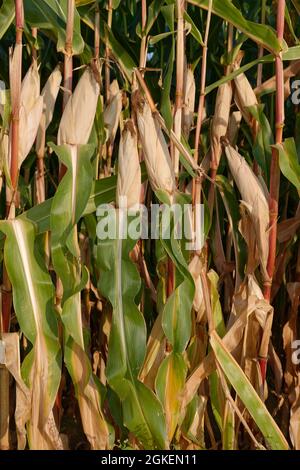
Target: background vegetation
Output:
[(118, 344)]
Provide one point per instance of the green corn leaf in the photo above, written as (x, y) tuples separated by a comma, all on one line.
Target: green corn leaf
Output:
[(261, 34), (67, 207), (228, 427), (169, 386), (7, 15), (194, 30), (289, 162), (120, 283), (33, 297), (248, 395), (51, 15)]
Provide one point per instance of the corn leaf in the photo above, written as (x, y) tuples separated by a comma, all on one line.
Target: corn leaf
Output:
[(67, 207), (51, 15), (248, 395), (120, 283), (7, 14), (33, 296), (289, 161), (261, 34)]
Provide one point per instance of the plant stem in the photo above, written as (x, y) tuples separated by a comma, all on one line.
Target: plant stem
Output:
[(275, 170), (16, 99), (202, 84), (261, 48), (197, 184), (68, 64), (68, 58), (97, 33), (274, 177), (179, 82), (107, 52), (213, 163), (4, 408), (143, 49)]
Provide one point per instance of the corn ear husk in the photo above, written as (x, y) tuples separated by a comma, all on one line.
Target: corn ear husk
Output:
[(15, 65), (220, 120), (254, 200), (49, 94), (129, 170), (195, 268), (234, 126), (79, 114), (156, 153), (244, 95), (31, 107), (111, 115), (189, 102)]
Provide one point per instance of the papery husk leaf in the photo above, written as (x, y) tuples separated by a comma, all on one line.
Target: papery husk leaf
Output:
[(189, 102), (112, 112), (156, 152), (129, 170), (49, 94), (220, 120), (254, 200), (79, 114)]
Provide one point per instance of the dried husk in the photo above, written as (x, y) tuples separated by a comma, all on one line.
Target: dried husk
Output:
[(31, 107), (111, 115), (195, 268), (234, 126), (156, 153), (220, 120), (129, 170), (244, 95), (79, 114), (49, 94), (292, 374), (254, 200), (270, 85), (189, 102), (23, 398)]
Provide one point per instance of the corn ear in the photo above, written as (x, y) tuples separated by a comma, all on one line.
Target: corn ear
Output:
[(129, 174), (220, 120), (49, 94), (189, 102), (78, 117), (254, 200), (244, 95), (31, 107), (113, 110), (157, 158)]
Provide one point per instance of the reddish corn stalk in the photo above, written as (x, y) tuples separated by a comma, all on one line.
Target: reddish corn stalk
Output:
[(16, 99), (68, 60), (143, 49), (14, 172), (275, 172), (68, 63), (179, 82), (197, 183), (202, 85), (97, 33), (107, 52)]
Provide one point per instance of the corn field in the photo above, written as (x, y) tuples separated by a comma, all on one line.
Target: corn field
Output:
[(149, 342)]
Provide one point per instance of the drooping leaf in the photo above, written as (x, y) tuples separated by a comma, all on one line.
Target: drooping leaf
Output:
[(248, 395)]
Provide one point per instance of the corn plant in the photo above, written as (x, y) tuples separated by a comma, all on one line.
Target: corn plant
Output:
[(150, 217)]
